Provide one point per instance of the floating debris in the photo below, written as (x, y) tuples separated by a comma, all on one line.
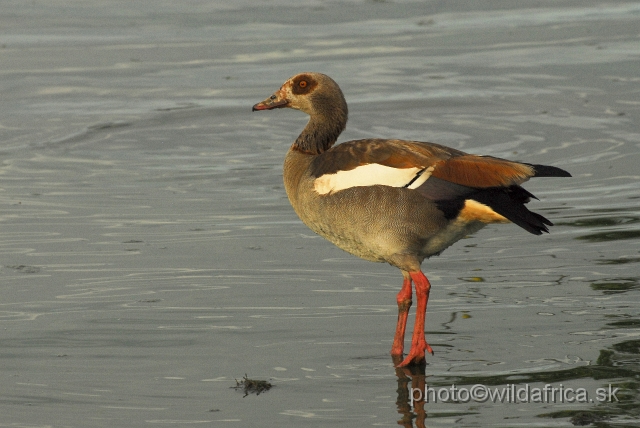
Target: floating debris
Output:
[(24, 268), (473, 279), (252, 385)]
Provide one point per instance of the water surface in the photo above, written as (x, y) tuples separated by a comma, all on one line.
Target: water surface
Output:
[(150, 256)]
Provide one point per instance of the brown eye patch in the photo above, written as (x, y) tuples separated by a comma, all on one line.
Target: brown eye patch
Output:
[(303, 84)]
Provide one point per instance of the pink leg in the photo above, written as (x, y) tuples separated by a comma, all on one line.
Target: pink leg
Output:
[(418, 342), (404, 303)]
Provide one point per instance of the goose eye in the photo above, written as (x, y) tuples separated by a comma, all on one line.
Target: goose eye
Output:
[(303, 84)]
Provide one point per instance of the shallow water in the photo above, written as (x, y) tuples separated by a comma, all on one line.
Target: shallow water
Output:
[(150, 256)]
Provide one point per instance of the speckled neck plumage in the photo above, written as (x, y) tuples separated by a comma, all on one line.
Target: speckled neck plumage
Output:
[(318, 136), (325, 125)]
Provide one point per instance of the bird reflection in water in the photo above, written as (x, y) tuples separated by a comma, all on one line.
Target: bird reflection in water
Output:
[(414, 375)]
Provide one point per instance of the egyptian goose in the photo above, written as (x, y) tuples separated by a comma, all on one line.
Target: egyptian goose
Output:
[(395, 201)]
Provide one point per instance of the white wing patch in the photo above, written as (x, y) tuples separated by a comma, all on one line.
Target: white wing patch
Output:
[(370, 175)]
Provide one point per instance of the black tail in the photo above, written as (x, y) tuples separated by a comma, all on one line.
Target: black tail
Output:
[(549, 171), (509, 203)]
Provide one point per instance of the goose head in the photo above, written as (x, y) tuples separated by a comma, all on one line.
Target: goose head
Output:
[(313, 93)]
